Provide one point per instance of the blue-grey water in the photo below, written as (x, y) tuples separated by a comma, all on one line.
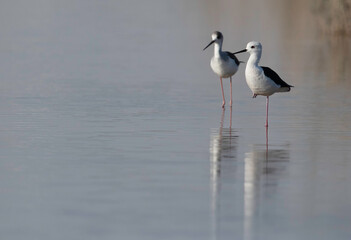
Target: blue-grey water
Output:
[(111, 124)]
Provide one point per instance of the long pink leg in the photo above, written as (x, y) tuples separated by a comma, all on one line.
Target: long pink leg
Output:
[(222, 93), (267, 103), (266, 144), (231, 114), (230, 126), (266, 139), (231, 98)]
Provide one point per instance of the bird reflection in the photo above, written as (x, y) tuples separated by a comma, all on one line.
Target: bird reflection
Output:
[(223, 150), (223, 144), (262, 166)]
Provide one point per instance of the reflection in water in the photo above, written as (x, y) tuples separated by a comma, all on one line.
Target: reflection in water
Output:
[(223, 148), (223, 141), (261, 163)]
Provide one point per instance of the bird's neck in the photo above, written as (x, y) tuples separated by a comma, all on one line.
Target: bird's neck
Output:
[(254, 59), (217, 50)]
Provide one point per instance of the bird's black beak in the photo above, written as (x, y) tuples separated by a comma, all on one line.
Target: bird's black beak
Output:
[(240, 51), (209, 44)]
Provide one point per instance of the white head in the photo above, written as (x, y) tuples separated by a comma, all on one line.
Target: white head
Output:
[(252, 47), (217, 37)]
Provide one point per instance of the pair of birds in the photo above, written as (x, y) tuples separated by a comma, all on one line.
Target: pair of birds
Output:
[(261, 80)]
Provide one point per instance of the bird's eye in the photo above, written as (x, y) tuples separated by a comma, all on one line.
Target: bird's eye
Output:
[(252, 46)]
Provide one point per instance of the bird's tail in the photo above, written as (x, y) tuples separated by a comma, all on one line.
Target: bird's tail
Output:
[(285, 89)]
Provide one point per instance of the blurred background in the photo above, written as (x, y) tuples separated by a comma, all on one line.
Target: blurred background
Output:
[(112, 127)]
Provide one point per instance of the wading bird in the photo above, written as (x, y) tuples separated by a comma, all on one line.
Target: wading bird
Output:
[(224, 64), (262, 80)]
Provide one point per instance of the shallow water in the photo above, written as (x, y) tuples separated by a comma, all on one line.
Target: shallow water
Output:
[(111, 125)]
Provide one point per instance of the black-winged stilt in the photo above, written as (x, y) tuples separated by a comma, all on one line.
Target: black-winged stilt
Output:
[(224, 64), (262, 80)]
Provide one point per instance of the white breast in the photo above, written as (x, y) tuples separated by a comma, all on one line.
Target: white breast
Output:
[(224, 68), (258, 82)]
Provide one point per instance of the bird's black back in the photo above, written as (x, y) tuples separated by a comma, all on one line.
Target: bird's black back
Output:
[(275, 77), (232, 56)]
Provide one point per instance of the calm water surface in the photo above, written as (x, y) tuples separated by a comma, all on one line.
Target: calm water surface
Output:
[(112, 127)]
